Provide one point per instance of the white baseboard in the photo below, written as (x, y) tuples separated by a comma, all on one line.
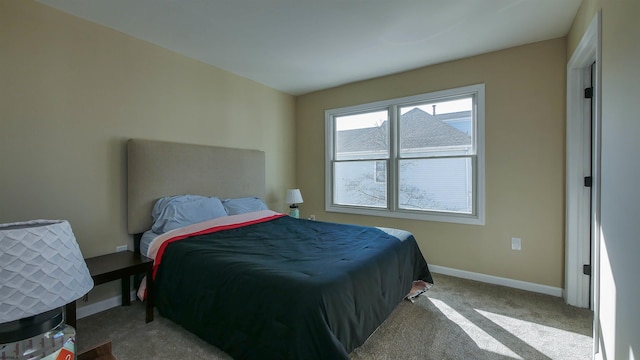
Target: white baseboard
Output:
[(102, 305), (517, 284)]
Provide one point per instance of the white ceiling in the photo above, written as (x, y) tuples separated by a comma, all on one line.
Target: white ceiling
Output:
[(299, 46)]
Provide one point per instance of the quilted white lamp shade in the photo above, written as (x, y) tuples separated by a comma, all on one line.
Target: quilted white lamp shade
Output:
[(41, 268), (293, 196)]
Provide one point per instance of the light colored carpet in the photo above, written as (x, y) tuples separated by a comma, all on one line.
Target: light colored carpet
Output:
[(456, 319)]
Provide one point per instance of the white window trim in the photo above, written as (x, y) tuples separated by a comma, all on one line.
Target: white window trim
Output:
[(478, 218)]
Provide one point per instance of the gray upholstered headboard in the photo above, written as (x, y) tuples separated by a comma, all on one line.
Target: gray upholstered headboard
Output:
[(157, 168)]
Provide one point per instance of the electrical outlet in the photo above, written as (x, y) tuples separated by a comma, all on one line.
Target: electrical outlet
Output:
[(516, 243), (312, 217), (121, 248)]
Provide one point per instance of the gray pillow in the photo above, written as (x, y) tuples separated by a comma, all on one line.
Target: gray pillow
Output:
[(244, 205)]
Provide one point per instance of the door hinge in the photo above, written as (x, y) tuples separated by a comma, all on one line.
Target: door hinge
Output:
[(588, 93), (587, 181), (586, 269)]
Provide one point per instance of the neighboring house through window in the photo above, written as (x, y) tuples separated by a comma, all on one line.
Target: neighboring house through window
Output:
[(426, 153), (381, 171)]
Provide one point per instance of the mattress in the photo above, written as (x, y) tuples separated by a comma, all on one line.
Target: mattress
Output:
[(146, 240)]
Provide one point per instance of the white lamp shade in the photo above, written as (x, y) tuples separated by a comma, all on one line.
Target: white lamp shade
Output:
[(293, 196), (41, 268)]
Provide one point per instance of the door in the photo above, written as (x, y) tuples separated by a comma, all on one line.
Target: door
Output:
[(582, 162)]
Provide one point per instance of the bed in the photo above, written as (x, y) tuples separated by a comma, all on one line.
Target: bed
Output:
[(259, 284)]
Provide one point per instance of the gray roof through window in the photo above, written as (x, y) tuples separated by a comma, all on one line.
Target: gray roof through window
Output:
[(419, 129)]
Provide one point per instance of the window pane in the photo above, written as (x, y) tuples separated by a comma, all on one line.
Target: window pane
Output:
[(362, 136), (355, 184), (436, 128), (436, 184)]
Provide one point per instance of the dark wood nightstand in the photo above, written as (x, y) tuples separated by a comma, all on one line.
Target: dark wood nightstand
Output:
[(121, 265)]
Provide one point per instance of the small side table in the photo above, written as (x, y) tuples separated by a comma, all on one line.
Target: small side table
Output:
[(121, 265)]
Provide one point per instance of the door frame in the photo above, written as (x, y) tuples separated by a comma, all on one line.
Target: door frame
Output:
[(578, 198)]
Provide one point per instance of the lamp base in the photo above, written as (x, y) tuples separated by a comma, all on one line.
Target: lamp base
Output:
[(40, 337), (294, 212)]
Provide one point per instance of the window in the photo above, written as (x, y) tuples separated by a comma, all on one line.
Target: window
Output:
[(419, 157)]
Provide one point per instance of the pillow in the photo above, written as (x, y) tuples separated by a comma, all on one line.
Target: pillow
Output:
[(244, 205), (177, 211)]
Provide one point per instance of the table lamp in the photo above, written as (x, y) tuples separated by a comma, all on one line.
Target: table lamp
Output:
[(293, 197), (41, 270)]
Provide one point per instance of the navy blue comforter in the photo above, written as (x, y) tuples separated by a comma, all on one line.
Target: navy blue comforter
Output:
[(287, 288)]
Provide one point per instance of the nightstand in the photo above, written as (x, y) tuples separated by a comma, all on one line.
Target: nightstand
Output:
[(121, 265)]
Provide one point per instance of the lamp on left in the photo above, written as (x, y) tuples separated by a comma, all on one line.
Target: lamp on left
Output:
[(41, 271)]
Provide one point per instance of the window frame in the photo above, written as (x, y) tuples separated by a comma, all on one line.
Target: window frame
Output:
[(477, 216)]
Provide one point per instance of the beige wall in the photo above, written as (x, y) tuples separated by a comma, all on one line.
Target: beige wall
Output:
[(72, 93), (619, 314), (525, 122)]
